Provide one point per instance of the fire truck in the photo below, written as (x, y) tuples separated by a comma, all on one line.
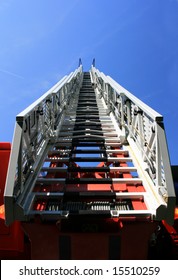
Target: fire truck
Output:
[(88, 176)]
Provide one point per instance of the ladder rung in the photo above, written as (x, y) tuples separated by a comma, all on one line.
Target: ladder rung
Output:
[(87, 131), (74, 121), (76, 127), (90, 123), (89, 159), (89, 169), (88, 110), (92, 117), (101, 151), (90, 105), (89, 180), (76, 144), (87, 103), (74, 194), (101, 159), (48, 214), (91, 194), (86, 144), (88, 138)]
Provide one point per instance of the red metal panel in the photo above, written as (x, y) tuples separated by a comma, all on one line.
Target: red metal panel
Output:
[(133, 235), (5, 149), (11, 237)]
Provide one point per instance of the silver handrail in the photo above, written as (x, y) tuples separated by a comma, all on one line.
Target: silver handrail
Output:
[(35, 127), (143, 129)]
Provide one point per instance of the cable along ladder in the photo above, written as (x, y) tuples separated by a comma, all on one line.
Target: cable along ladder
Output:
[(89, 147)]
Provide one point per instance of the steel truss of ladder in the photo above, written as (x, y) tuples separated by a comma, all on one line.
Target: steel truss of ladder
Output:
[(89, 147)]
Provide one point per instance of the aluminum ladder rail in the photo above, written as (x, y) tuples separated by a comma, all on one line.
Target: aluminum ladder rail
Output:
[(35, 129), (79, 150), (142, 130)]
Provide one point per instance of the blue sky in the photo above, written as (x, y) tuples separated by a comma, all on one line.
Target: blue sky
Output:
[(133, 41)]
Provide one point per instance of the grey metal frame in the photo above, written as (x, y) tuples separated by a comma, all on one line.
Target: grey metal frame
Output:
[(36, 127), (141, 128)]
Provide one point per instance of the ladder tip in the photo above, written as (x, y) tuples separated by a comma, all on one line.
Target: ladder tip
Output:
[(93, 63), (80, 62)]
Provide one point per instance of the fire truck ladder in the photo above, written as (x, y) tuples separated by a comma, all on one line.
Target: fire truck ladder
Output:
[(89, 147)]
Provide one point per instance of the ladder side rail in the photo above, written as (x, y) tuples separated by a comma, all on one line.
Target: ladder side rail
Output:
[(120, 89), (35, 127), (145, 127), (12, 175), (166, 187)]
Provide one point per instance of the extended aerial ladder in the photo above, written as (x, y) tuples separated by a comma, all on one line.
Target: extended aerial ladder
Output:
[(89, 157)]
